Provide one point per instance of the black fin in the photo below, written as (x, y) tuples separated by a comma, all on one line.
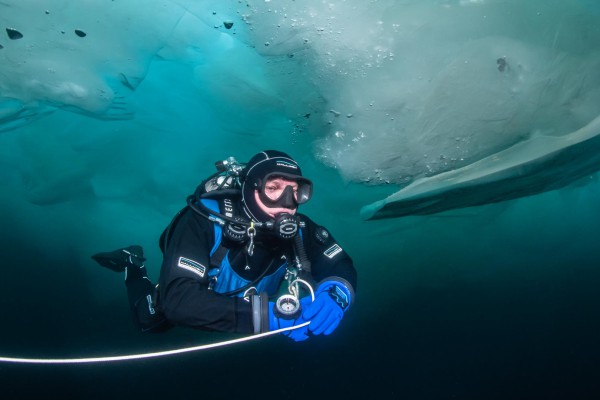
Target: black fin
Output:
[(118, 259)]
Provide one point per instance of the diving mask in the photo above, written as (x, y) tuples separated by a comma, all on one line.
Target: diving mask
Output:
[(275, 190)]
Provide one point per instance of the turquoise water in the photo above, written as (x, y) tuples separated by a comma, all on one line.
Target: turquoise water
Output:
[(491, 302)]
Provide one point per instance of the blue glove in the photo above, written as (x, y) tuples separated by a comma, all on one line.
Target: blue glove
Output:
[(276, 322), (332, 299)]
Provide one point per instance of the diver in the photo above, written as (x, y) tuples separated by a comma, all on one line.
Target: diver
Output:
[(239, 258)]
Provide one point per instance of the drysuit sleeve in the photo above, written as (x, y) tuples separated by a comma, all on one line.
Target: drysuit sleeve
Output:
[(329, 261), (184, 297)]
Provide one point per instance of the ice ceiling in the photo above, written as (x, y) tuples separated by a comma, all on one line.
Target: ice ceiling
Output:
[(389, 93)]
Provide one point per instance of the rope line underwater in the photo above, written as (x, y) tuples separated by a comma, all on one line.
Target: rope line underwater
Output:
[(87, 360), (144, 355)]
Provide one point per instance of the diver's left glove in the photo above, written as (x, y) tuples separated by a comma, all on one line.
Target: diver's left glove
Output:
[(266, 319), (332, 299)]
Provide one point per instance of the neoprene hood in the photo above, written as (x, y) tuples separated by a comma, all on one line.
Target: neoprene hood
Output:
[(268, 162)]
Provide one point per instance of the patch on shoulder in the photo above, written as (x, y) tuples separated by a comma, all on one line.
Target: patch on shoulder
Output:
[(322, 235), (333, 251), (192, 266)]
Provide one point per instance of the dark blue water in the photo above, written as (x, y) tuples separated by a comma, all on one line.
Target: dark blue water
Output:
[(483, 311)]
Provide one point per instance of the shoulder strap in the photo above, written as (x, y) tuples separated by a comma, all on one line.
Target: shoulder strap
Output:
[(219, 251), (217, 257)]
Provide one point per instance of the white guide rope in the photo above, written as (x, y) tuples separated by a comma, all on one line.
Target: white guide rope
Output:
[(156, 354), (144, 355)]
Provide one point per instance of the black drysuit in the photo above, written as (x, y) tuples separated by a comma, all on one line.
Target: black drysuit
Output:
[(184, 297)]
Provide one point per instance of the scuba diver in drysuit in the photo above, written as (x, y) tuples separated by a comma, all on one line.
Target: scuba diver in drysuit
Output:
[(228, 255)]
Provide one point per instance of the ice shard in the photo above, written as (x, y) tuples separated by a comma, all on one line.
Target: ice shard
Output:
[(539, 164)]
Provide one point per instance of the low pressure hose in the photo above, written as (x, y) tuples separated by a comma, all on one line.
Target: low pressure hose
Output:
[(301, 254)]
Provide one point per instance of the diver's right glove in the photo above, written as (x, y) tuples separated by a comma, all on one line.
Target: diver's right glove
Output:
[(332, 300), (266, 319)]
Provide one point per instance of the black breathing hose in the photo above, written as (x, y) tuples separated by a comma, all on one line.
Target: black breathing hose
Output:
[(301, 254)]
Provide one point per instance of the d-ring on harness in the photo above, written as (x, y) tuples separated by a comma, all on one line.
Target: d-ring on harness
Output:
[(251, 232)]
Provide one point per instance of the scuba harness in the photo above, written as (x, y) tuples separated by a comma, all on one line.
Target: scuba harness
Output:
[(215, 199)]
